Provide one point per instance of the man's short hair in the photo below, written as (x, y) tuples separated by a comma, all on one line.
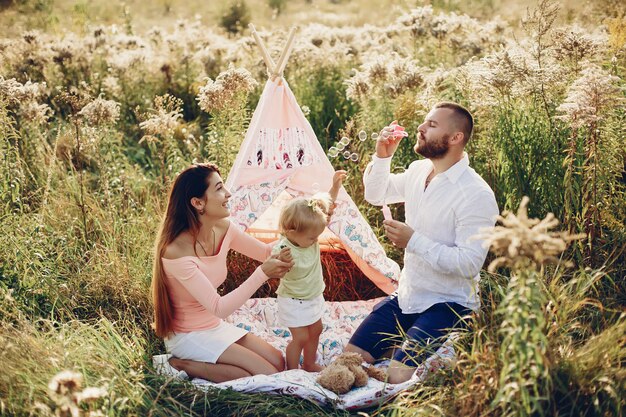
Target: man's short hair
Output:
[(462, 118)]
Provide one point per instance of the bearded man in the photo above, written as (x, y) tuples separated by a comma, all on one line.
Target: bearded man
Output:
[(446, 203)]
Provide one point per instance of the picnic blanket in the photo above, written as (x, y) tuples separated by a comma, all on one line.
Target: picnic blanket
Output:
[(340, 320)]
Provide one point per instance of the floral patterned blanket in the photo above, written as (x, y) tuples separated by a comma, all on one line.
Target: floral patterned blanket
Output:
[(259, 315)]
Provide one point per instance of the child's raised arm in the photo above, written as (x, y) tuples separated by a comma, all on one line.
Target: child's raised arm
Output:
[(338, 178)]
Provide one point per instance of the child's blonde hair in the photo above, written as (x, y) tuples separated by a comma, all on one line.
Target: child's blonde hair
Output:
[(302, 214)]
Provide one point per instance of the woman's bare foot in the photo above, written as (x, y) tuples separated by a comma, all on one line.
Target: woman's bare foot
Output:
[(313, 367), (176, 363)]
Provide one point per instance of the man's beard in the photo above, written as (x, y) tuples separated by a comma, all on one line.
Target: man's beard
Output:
[(434, 149)]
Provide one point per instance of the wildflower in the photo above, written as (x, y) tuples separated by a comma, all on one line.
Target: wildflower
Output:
[(155, 34), (358, 86), (377, 70), (521, 239), (222, 93), (574, 44), (69, 49), (74, 98), (418, 20), (35, 113), (90, 394), (16, 92), (126, 58), (111, 85), (164, 120), (434, 82), (31, 37), (101, 112), (65, 383), (589, 96), (9, 90), (405, 75)]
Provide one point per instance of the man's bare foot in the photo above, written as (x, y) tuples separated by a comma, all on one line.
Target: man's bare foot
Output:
[(313, 367)]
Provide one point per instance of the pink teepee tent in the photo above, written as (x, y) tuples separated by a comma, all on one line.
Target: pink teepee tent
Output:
[(281, 158)]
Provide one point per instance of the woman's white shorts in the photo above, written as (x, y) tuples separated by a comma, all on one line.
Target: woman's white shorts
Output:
[(293, 312), (204, 345)]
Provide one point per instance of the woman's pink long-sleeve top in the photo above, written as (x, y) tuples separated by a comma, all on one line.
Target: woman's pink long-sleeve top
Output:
[(192, 283)]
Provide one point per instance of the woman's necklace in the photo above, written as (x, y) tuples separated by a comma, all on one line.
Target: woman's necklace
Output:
[(204, 249)]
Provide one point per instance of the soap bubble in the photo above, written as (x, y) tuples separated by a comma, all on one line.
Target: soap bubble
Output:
[(354, 157), (362, 136), (333, 152), (375, 136), (385, 134), (340, 146), (344, 141), (346, 154), (315, 187)]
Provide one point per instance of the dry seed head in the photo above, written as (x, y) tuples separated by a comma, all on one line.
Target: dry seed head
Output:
[(222, 93), (35, 113), (575, 44), (123, 59), (90, 394), (74, 100), (521, 239), (16, 92), (164, 119), (593, 92), (358, 86), (101, 112), (65, 382)]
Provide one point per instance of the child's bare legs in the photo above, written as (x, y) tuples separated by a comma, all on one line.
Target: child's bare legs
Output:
[(310, 347), (299, 336), (304, 340)]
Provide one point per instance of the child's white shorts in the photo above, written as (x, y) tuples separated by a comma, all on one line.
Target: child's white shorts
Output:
[(204, 345), (293, 312)]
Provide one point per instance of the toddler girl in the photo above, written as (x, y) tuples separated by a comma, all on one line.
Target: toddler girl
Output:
[(300, 293)]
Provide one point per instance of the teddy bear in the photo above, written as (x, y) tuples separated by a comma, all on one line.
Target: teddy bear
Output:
[(346, 371)]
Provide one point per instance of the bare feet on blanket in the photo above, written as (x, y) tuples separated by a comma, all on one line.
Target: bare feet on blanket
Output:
[(313, 368)]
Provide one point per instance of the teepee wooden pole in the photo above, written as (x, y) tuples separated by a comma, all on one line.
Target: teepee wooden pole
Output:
[(282, 61), (266, 56)]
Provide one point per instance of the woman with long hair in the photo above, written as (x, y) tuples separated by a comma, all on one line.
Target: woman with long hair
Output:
[(190, 264)]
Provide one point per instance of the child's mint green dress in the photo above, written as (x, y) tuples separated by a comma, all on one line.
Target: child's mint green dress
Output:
[(305, 280)]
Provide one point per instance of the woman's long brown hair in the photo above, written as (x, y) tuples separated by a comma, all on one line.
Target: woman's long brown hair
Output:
[(180, 216)]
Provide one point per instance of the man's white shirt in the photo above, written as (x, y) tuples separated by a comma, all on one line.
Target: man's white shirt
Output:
[(441, 262)]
